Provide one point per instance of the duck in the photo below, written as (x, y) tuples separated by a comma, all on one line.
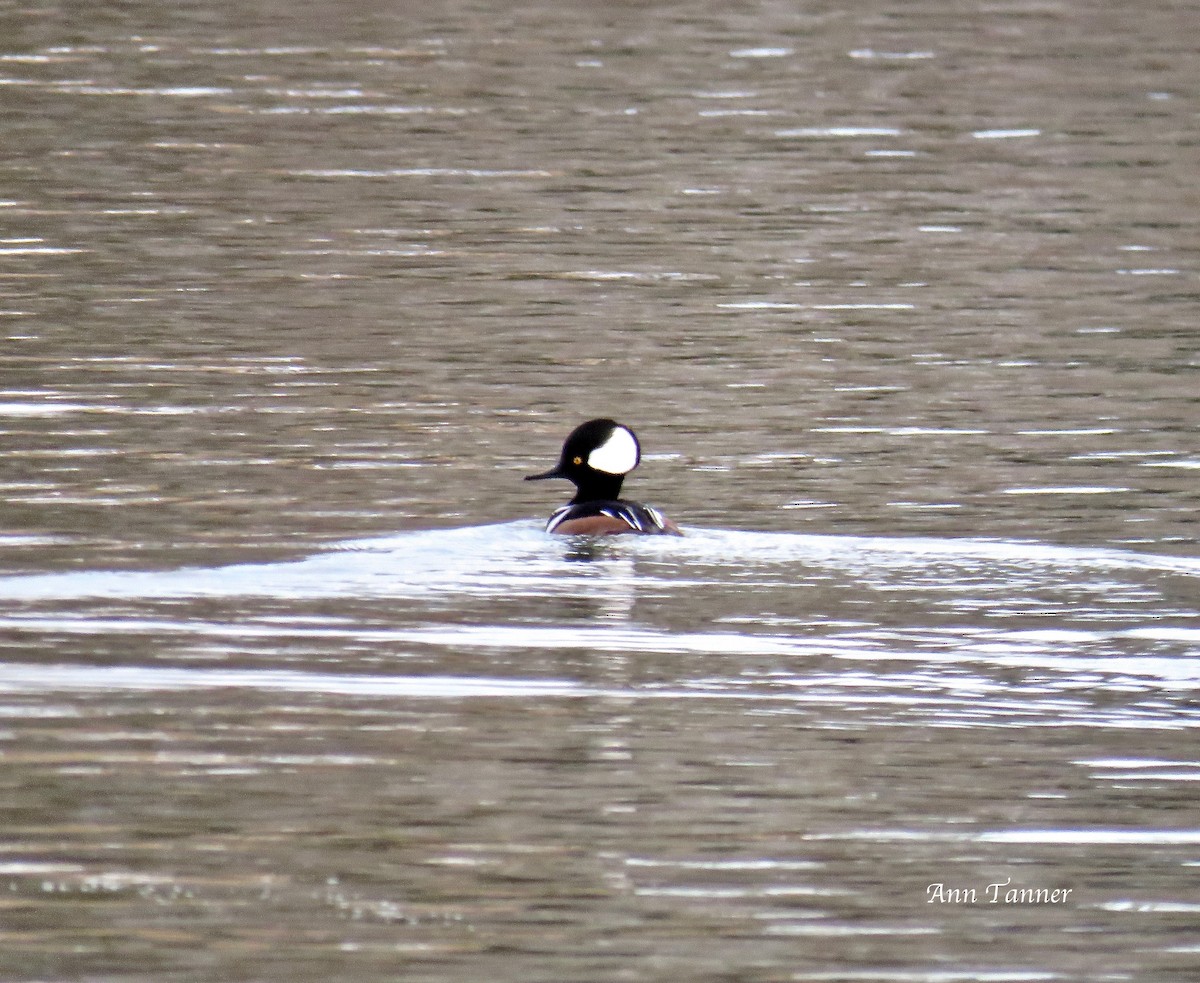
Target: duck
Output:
[(596, 457)]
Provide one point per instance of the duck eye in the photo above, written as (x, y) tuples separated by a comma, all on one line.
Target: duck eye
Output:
[(578, 461)]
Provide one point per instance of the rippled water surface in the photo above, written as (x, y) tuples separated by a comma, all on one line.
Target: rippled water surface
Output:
[(902, 301)]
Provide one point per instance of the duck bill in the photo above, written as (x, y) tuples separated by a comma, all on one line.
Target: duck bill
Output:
[(552, 473)]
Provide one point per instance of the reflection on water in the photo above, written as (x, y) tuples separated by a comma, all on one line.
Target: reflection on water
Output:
[(902, 304), (458, 748)]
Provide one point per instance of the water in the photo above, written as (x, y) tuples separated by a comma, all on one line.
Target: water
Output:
[(901, 301)]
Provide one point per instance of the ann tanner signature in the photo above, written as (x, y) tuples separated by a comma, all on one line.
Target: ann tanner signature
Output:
[(1000, 892)]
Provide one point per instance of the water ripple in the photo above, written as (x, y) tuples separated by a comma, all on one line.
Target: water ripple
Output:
[(81, 678)]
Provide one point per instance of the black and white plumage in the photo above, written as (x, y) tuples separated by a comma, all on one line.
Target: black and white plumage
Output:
[(596, 457), (638, 517)]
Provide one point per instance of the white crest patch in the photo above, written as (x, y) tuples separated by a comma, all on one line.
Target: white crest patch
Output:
[(617, 455)]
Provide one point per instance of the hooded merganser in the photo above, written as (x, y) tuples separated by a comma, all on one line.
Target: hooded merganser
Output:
[(596, 457)]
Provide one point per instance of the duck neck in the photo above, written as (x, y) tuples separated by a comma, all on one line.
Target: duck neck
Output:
[(597, 488)]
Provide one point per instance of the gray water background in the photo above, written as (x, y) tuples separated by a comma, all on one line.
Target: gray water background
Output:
[(901, 299)]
